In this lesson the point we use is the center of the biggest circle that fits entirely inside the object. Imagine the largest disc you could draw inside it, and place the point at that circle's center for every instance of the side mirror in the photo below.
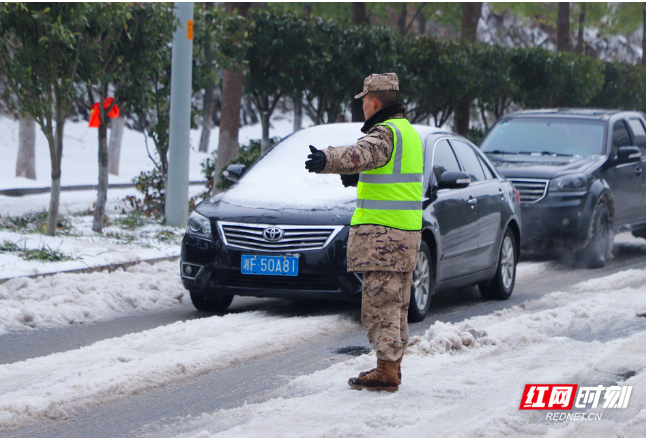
(628, 155)
(234, 172)
(454, 180)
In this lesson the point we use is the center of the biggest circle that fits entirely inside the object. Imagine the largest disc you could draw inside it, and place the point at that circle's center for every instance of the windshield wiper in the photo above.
(500, 152)
(545, 153)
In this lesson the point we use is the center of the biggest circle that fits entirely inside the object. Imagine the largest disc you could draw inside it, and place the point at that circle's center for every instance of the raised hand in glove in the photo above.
(316, 160)
(349, 179)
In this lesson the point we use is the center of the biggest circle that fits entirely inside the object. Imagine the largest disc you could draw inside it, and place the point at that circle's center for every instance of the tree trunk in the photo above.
(422, 24)
(116, 135)
(298, 112)
(102, 196)
(579, 40)
(358, 10)
(208, 102)
(229, 122)
(26, 162)
(55, 141)
(403, 15)
(264, 122)
(644, 37)
(230, 112)
(471, 12)
(563, 28)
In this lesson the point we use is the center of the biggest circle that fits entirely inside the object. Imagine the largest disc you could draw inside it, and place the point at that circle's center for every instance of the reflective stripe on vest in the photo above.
(392, 195)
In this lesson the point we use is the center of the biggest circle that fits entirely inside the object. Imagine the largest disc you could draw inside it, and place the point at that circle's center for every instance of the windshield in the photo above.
(280, 179)
(545, 136)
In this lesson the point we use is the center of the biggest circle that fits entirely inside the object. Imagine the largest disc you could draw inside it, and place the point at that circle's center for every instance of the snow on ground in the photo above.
(79, 167)
(67, 299)
(80, 152)
(466, 379)
(59, 384)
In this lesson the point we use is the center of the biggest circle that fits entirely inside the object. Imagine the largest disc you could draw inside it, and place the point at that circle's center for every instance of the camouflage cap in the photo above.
(379, 81)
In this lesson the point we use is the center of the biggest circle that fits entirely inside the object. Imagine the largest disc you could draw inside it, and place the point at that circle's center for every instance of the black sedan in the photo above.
(281, 232)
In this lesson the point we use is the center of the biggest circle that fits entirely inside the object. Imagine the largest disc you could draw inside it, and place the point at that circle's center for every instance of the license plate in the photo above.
(281, 265)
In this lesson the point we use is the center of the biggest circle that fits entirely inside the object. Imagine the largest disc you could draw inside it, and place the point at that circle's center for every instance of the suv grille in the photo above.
(531, 191)
(292, 238)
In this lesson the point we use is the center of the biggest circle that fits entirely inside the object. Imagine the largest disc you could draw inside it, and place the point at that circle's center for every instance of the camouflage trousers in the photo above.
(384, 311)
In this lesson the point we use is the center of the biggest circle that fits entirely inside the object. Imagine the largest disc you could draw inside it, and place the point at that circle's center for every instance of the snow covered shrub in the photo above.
(153, 186)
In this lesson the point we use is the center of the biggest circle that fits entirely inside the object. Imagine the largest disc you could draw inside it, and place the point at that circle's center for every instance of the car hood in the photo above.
(541, 167)
(318, 200)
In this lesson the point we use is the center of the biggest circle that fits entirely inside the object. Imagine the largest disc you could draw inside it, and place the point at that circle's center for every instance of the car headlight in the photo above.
(573, 182)
(199, 226)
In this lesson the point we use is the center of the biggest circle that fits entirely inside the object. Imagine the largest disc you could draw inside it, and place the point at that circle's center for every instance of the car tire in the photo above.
(596, 253)
(216, 303)
(423, 283)
(502, 284)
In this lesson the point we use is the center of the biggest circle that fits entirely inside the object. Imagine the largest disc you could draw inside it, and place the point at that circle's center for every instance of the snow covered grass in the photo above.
(56, 385)
(466, 379)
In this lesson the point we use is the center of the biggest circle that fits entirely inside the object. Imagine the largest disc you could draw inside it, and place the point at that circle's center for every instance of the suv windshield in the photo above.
(545, 136)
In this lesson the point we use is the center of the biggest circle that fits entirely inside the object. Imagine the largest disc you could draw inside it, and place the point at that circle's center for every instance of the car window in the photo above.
(469, 159)
(620, 135)
(444, 159)
(488, 173)
(639, 132)
(545, 135)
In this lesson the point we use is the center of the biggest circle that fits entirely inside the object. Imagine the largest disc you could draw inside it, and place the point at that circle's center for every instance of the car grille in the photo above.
(301, 282)
(294, 238)
(531, 191)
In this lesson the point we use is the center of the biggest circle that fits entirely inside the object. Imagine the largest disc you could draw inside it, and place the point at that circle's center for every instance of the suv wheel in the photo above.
(502, 284)
(596, 253)
(422, 291)
(215, 303)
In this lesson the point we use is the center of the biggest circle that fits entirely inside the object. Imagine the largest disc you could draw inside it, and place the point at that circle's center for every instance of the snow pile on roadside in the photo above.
(60, 384)
(65, 299)
(590, 337)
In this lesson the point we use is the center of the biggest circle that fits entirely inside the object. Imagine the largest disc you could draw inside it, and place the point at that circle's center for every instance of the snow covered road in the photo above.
(473, 362)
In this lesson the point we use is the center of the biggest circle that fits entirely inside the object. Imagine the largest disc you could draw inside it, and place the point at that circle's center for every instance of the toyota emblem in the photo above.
(272, 234)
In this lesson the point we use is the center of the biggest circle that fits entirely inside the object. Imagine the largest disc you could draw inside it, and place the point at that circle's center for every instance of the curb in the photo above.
(107, 267)
(18, 192)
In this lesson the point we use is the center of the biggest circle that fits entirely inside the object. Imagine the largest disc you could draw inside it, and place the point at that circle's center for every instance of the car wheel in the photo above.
(502, 284)
(596, 253)
(422, 291)
(216, 303)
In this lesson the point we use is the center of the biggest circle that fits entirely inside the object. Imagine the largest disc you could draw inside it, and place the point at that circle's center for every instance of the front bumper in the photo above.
(563, 217)
(322, 274)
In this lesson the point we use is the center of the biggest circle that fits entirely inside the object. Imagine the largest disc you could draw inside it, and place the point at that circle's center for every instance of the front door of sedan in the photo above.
(490, 199)
(457, 218)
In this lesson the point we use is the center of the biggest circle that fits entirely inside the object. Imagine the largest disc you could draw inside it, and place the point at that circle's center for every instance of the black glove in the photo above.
(316, 160)
(349, 179)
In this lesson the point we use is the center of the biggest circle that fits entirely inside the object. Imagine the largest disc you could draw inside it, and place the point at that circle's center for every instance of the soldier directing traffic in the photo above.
(386, 166)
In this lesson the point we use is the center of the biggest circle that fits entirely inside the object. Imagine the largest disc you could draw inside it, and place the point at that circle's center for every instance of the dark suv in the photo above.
(579, 173)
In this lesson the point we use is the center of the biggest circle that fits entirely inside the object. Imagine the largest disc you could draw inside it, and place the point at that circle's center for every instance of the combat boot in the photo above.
(399, 370)
(382, 378)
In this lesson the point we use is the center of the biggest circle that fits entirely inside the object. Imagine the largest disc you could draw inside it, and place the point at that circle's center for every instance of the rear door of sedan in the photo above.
(490, 199)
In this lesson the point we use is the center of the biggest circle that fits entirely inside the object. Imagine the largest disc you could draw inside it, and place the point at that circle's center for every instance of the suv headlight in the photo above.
(573, 182)
(199, 226)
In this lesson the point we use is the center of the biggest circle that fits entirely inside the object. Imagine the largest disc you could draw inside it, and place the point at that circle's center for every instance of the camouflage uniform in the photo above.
(386, 256)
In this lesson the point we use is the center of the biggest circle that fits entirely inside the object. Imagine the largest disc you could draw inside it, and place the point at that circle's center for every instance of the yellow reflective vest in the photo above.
(391, 195)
